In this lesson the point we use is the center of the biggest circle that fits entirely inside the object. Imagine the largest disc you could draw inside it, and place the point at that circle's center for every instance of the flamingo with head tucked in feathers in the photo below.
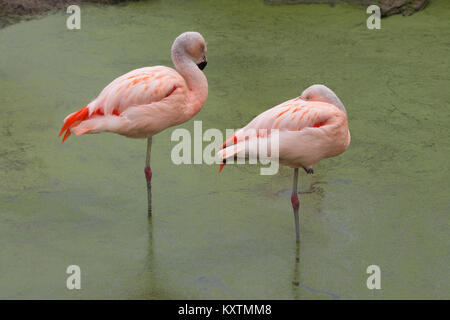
(145, 101)
(310, 127)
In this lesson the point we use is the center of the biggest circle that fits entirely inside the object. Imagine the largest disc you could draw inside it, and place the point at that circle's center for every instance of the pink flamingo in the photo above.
(311, 127)
(145, 101)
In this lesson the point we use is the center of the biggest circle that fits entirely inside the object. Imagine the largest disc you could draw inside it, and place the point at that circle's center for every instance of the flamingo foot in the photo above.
(308, 170)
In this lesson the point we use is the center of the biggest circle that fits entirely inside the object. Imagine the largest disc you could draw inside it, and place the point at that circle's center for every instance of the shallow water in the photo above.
(384, 201)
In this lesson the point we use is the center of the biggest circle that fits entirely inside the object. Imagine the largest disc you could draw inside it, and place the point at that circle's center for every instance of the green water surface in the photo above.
(385, 201)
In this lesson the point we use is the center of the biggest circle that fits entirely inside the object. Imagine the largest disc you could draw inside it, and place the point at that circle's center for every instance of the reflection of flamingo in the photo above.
(143, 102)
(311, 127)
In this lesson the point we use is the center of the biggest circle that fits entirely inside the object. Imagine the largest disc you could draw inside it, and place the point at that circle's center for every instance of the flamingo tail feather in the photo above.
(73, 120)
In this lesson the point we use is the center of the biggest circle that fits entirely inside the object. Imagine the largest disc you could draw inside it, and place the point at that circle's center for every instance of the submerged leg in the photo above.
(148, 175)
(295, 205)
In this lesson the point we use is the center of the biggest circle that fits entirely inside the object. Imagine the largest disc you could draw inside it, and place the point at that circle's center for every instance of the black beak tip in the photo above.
(202, 65)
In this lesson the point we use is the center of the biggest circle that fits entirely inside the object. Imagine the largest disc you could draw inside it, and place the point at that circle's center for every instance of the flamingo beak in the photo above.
(202, 64)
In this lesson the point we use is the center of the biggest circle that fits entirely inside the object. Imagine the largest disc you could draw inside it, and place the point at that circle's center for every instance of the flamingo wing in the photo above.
(302, 126)
(140, 87)
(292, 115)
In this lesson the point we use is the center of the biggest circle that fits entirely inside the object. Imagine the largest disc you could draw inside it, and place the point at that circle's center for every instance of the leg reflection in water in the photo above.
(296, 277)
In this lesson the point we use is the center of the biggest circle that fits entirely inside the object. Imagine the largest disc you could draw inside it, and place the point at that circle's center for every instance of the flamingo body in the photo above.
(145, 101)
(309, 131)
(310, 128)
(138, 104)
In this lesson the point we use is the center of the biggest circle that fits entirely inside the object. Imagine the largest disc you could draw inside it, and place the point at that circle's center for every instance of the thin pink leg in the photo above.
(148, 176)
(295, 205)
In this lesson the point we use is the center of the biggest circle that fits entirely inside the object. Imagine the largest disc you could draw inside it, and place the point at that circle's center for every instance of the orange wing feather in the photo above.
(71, 120)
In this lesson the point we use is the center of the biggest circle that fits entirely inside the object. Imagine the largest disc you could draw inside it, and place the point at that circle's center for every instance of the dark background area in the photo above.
(12, 11)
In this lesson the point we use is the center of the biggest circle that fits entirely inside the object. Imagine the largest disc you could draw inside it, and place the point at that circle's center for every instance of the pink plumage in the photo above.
(145, 101)
(310, 128)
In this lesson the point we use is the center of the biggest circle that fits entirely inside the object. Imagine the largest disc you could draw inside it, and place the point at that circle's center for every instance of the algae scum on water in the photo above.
(383, 202)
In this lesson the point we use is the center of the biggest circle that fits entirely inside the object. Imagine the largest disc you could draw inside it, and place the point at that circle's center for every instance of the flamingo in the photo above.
(145, 101)
(311, 127)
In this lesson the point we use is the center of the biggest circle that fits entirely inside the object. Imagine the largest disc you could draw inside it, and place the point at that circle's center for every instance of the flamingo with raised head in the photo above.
(145, 101)
(310, 127)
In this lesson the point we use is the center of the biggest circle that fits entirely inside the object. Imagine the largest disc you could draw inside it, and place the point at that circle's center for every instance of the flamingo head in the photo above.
(194, 45)
(319, 92)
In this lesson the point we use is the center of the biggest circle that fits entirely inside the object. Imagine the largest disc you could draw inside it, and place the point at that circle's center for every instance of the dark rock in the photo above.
(405, 7)
(12, 11)
(388, 7)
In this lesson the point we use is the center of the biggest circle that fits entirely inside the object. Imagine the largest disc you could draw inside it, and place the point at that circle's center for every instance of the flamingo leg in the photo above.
(148, 175)
(295, 205)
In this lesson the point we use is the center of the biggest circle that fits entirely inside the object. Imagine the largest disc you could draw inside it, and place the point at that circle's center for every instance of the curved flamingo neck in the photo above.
(195, 78)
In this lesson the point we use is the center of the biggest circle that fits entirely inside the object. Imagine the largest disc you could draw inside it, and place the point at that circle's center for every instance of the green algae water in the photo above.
(385, 201)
